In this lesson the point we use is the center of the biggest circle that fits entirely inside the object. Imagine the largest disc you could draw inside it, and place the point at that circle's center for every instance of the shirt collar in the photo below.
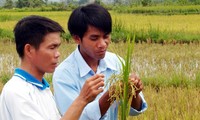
(84, 68)
(30, 79)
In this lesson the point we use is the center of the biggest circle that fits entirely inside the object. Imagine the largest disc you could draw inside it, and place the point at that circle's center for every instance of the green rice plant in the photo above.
(122, 89)
(197, 80)
(156, 82)
(6, 35)
(119, 33)
(48, 77)
(66, 36)
(4, 18)
(160, 10)
(179, 80)
(4, 77)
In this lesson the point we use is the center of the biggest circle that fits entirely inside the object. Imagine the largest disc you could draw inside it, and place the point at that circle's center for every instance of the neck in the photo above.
(31, 70)
(93, 65)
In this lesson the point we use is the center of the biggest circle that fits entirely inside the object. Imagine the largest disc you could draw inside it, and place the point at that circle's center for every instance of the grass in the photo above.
(170, 72)
(160, 10)
(160, 66)
(154, 28)
(156, 64)
(171, 103)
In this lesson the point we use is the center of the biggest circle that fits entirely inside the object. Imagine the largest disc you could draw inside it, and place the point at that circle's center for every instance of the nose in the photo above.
(57, 54)
(102, 43)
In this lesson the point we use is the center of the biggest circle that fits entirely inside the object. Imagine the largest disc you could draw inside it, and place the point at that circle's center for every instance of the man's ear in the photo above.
(77, 39)
(28, 50)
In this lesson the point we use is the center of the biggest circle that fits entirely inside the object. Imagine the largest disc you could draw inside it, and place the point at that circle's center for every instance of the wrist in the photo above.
(81, 101)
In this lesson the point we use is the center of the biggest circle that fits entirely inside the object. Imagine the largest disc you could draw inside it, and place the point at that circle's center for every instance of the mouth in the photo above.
(101, 52)
(55, 64)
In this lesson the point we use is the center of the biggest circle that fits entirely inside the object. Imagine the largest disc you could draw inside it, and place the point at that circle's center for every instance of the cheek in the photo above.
(89, 49)
(43, 58)
(107, 41)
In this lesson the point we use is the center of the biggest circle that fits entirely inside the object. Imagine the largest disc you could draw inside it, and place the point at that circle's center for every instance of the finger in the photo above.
(99, 75)
(94, 80)
(99, 90)
(133, 75)
(95, 77)
(135, 81)
(94, 92)
(99, 83)
(139, 86)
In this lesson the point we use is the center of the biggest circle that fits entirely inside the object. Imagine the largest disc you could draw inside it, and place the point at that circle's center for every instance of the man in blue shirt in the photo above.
(90, 27)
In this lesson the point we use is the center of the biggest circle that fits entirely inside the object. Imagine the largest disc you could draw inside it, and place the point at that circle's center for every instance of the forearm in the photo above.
(104, 103)
(75, 110)
(136, 102)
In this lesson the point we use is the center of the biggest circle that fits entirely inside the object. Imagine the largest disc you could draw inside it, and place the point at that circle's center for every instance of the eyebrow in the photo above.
(55, 44)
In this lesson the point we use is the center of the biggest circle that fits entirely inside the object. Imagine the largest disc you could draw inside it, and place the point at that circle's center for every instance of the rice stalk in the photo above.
(122, 89)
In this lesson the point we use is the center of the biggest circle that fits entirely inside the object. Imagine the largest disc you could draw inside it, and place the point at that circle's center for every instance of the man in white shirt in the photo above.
(27, 96)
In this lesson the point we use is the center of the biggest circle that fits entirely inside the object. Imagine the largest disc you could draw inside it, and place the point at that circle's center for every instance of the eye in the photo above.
(53, 47)
(93, 38)
(106, 36)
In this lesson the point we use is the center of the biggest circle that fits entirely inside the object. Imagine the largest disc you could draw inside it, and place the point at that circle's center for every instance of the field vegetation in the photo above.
(166, 56)
(153, 28)
(160, 10)
(170, 73)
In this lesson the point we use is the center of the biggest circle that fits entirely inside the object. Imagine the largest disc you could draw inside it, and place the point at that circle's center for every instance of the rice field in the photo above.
(9, 19)
(170, 72)
(175, 23)
(156, 64)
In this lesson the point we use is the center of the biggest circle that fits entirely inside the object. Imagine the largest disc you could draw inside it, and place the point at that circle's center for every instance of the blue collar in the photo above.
(30, 79)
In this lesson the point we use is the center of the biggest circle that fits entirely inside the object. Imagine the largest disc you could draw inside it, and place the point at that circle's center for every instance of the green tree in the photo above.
(195, 2)
(182, 2)
(98, 1)
(117, 1)
(146, 2)
(8, 4)
(29, 3)
(83, 1)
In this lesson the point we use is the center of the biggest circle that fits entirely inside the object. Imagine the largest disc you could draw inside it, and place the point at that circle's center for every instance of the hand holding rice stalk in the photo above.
(122, 87)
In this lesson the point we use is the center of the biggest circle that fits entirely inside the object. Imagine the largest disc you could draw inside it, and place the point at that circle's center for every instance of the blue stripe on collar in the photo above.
(30, 79)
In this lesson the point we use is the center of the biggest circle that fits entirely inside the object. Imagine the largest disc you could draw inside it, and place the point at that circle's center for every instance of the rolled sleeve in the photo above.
(134, 112)
(91, 111)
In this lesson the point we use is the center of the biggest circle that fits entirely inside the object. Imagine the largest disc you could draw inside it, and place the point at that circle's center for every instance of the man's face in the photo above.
(45, 58)
(94, 44)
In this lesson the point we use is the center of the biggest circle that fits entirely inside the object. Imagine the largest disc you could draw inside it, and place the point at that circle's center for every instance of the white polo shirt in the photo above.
(25, 98)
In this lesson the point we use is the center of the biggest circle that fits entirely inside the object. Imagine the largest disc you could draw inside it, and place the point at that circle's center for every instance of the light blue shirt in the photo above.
(70, 76)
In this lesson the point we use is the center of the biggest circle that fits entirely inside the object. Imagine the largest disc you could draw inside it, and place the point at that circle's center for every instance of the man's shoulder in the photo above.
(66, 67)
(16, 86)
(66, 63)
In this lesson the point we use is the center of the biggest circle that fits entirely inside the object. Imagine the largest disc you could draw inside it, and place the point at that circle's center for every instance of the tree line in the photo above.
(39, 3)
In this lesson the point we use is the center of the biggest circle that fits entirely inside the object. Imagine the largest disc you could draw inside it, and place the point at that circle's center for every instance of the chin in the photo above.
(50, 71)
(101, 57)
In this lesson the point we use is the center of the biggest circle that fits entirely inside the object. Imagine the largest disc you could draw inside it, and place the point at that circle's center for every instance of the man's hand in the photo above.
(92, 87)
(136, 101)
(137, 82)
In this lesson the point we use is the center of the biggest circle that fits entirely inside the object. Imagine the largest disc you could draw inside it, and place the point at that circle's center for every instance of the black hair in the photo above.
(31, 30)
(91, 14)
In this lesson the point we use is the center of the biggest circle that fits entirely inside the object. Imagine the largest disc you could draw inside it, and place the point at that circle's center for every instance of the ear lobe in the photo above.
(76, 39)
